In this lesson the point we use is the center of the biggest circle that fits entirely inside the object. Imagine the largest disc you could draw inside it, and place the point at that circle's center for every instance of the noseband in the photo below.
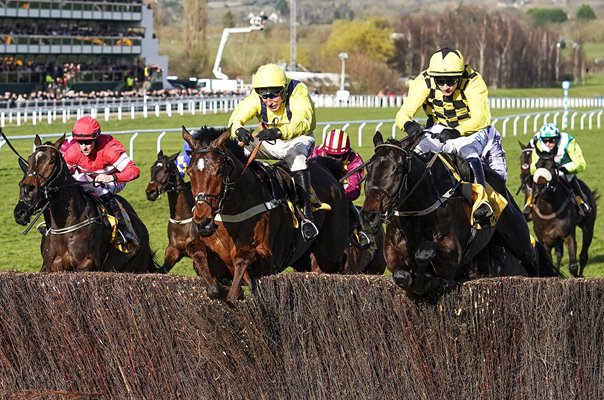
(226, 167)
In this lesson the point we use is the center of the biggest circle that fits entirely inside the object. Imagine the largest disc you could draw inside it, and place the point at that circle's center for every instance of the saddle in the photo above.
(473, 193)
(281, 183)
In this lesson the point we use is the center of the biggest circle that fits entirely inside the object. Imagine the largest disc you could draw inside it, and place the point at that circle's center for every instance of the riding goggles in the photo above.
(549, 140)
(270, 93)
(445, 81)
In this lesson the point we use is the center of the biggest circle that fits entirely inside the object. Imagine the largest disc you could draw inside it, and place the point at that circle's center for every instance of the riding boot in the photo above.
(484, 211)
(124, 234)
(579, 195)
(302, 180)
(354, 227)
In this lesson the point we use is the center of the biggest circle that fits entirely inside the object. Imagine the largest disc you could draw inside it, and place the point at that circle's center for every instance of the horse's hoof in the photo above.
(402, 278)
(574, 271)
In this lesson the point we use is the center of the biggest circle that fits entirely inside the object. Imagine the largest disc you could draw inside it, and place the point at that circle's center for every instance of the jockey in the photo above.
(455, 98)
(569, 157)
(286, 116)
(337, 146)
(100, 164)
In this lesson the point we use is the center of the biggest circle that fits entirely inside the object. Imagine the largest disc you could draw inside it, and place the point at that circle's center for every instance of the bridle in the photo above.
(395, 199)
(45, 184)
(170, 184)
(226, 168)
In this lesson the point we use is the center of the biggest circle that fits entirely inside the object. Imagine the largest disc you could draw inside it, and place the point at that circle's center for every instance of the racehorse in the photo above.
(555, 214)
(526, 179)
(429, 237)
(165, 178)
(246, 216)
(369, 260)
(77, 235)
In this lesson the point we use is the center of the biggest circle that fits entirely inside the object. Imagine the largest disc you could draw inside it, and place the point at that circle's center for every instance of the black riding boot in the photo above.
(302, 180)
(579, 195)
(124, 235)
(355, 225)
(484, 211)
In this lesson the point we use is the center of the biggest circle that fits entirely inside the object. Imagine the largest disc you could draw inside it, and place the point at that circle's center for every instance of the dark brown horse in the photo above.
(429, 238)
(555, 214)
(165, 178)
(249, 221)
(77, 236)
(365, 260)
(526, 179)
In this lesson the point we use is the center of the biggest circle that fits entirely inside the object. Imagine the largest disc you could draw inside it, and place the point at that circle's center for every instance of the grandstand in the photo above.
(79, 46)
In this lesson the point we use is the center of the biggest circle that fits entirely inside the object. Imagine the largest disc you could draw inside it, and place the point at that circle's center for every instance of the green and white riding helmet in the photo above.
(549, 131)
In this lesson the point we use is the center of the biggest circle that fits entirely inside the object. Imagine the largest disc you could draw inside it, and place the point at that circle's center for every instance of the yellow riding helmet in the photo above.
(446, 62)
(269, 75)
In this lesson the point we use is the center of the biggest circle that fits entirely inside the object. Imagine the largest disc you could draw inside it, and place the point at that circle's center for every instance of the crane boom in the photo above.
(225, 36)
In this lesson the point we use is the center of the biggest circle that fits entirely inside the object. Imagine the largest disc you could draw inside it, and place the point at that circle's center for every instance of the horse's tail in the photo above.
(154, 267)
(546, 267)
(330, 164)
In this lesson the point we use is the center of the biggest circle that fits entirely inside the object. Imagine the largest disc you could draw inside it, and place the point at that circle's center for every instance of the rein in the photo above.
(396, 198)
(48, 190)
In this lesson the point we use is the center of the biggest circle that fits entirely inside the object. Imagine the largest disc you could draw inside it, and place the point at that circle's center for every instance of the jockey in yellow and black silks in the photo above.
(455, 99)
(286, 114)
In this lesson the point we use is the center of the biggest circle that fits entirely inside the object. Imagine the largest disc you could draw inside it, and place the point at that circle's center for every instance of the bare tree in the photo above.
(195, 14)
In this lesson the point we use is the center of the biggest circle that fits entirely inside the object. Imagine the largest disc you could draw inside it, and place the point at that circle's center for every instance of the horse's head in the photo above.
(164, 176)
(44, 167)
(211, 173)
(546, 173)
(385, 173)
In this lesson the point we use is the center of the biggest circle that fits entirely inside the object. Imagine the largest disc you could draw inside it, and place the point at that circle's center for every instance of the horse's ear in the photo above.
(189, 138)
(37, 140)
(173, 157)
(224, 136)
(23, 165)
(57, 145)
(160, 154)
(378, 138)
(522, 146)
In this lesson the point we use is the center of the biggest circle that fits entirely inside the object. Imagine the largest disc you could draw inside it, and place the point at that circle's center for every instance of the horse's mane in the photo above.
(332, 165)
(206, 134)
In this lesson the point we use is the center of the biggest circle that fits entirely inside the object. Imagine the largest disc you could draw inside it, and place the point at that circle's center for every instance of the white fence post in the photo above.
(132, 146)
(159, 138)
(360, 136)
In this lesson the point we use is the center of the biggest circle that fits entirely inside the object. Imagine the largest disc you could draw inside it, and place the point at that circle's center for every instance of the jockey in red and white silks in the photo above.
(109, 158)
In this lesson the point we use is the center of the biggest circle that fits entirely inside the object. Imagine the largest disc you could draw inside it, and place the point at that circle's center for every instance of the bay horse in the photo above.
(249, 221)
(556, 216)
(77, 236)
(165, 178)
(430, 241)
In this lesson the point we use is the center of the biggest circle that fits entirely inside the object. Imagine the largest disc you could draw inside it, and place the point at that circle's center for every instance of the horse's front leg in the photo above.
(243, 260)
(197, 250)
(571, 244)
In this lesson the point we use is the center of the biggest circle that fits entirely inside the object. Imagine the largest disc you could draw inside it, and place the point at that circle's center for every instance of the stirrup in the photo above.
(309, 230)
(364, 240)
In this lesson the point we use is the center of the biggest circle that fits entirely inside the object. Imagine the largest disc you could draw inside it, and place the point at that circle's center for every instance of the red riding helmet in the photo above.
(86, 128)
(337, 142)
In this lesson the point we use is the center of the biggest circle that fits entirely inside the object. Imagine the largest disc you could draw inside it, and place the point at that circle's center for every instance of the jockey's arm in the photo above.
(478, 103)
(302, 109)
(117, 157)
(418, 92)
(577, 163)
(353, 190)
(246, 110)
